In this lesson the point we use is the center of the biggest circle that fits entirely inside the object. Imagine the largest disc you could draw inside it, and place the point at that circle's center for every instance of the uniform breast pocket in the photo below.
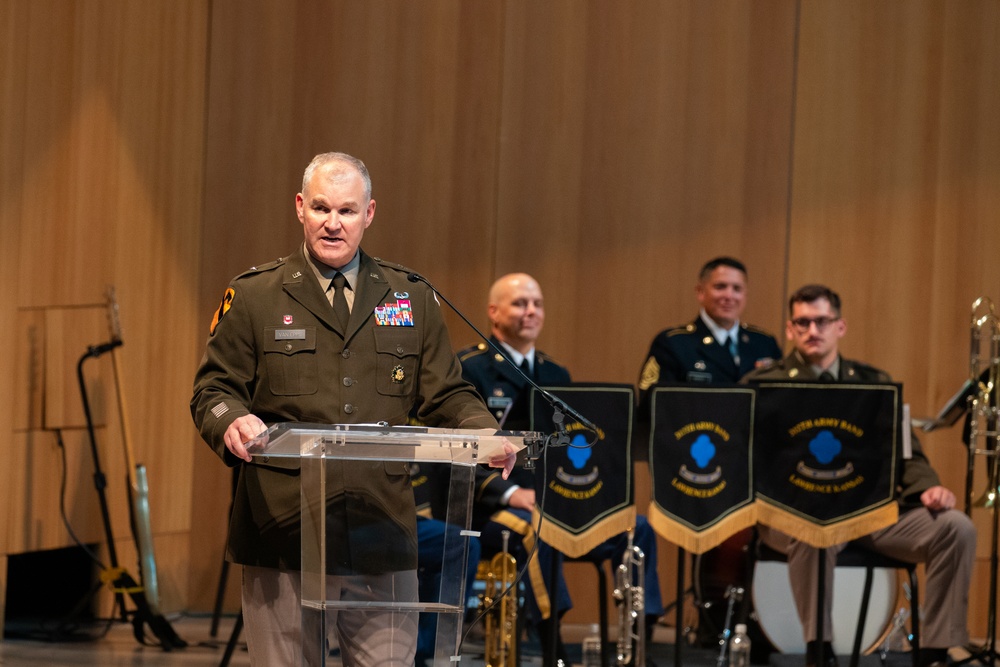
(290, 360)
(397, 351)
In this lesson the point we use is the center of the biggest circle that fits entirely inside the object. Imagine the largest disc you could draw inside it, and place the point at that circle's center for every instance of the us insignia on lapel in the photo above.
(396, 314)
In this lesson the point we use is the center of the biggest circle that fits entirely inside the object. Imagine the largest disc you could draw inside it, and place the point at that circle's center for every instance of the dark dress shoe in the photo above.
(933, 657)
(820, 658)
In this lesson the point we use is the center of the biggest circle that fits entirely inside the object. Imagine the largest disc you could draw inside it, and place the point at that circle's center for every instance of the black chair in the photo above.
(855, 555)
(607, 656)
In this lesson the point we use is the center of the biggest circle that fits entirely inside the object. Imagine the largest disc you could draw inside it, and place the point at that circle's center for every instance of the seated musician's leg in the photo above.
(946, 542)
(538, 604)
(803, 568)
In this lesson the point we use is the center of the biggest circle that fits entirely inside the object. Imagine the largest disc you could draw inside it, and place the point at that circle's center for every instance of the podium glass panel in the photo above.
(358, 552)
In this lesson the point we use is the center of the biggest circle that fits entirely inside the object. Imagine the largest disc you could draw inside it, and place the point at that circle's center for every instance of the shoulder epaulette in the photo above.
(473, 351)
(263, 267)
(755, 329)
(392, 265)
(682, 329)
(868, 367)
(544, 356)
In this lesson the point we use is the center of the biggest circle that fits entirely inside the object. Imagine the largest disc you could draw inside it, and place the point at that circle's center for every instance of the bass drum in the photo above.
(772, 598)
(713, 573)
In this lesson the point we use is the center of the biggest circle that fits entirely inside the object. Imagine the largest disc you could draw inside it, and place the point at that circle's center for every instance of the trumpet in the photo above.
(983, 408)
(500, 606)
(631, 598)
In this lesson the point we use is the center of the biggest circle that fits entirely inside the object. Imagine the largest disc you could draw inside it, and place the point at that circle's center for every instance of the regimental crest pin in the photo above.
(397, 374)
(287, 319)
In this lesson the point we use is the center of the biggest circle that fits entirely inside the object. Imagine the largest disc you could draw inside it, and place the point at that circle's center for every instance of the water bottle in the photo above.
(592, 647)
(739, 647)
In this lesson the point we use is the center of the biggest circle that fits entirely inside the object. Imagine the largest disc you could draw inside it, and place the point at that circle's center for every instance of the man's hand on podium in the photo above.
(241, 431)
(505, 460)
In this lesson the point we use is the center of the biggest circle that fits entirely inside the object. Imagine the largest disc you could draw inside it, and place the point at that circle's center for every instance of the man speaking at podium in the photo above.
(929, 529)
(332, 336)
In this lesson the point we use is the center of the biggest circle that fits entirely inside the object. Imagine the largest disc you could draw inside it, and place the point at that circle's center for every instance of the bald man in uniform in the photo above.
(516, 311)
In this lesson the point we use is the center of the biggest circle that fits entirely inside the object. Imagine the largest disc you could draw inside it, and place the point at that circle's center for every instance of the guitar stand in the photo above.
(120, 580)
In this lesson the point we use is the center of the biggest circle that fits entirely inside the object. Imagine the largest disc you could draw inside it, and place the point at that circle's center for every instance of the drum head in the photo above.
(772, 596)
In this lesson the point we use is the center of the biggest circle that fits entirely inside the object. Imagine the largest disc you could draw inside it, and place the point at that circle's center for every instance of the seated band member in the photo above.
(517, 314)
(929, 529)
(716, 347)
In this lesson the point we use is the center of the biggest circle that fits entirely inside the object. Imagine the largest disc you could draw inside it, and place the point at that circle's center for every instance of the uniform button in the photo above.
(348, 382)
(399, 349)
(348, 408)
(346, 353)
(265, 459)
(288, 347)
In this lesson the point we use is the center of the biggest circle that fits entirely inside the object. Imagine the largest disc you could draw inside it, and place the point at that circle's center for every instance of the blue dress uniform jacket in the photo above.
(690, 354)
(277, 351)
(500, 385)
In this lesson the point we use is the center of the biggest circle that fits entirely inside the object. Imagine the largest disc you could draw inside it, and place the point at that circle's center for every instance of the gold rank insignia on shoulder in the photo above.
(398, 375)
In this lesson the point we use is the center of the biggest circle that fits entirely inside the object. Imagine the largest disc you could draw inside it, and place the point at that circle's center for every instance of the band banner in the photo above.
(700, 447)
(587, 490)
(827, 457)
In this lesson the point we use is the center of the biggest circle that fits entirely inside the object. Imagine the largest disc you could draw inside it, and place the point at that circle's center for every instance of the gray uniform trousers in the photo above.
(944, 541)
(272, 615)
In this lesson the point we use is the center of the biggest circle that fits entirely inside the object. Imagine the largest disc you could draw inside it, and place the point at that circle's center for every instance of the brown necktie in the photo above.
(826, 376)
(340, 308)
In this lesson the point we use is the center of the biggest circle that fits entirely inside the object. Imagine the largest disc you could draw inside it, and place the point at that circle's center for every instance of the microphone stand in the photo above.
(100, 481)
(118, 577)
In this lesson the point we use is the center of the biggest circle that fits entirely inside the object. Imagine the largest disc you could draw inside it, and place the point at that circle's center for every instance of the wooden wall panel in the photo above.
(102, 135)
(635, 146)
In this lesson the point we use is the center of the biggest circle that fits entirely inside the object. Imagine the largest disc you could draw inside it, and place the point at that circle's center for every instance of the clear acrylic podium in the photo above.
(318, 448)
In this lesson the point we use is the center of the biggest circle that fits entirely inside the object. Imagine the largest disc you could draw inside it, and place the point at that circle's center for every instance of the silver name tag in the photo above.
(289, 334)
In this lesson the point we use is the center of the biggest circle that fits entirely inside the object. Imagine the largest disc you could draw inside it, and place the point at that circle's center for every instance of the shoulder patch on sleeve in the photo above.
(650, 374)
(227, 302)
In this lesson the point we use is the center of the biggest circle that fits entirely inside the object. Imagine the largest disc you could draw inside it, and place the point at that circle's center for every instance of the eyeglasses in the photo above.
(801, 324)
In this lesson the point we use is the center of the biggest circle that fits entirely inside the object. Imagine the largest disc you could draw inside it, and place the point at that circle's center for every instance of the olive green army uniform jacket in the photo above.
(917, 474)
(277, 350)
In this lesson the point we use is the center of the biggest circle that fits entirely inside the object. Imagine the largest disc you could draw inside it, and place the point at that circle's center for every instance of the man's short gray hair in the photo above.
(325, 158)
